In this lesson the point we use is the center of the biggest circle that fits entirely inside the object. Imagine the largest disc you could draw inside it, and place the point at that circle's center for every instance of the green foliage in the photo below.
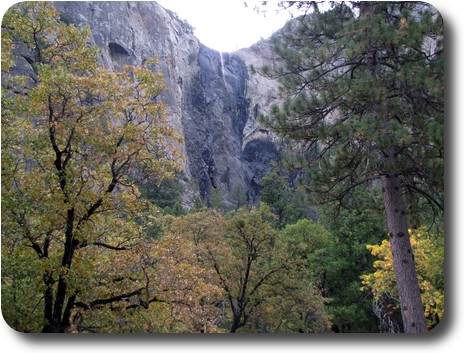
(21, 279)
(274, 293)
(176, 210)
(197, 205)
(216, 201)
(306, 239)
(348, 259)
(335, 255)
(165, 194)
(239, 197)
(343, 75)
(288, 203)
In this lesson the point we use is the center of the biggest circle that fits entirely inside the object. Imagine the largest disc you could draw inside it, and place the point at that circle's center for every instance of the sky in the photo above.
(228, 25)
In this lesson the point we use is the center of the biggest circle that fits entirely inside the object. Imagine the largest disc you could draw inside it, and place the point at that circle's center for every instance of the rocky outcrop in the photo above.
(213, 101)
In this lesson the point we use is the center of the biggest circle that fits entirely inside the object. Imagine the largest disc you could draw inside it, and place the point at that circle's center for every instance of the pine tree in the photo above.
(363, 87)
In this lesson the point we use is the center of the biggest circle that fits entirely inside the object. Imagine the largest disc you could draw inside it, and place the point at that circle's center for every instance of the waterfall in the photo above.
(222, 63)
(222, 68)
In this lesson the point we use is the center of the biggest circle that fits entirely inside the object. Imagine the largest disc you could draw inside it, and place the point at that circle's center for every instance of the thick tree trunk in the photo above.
(412, 309)
(56, 320)
(235, 324)
(237, 311)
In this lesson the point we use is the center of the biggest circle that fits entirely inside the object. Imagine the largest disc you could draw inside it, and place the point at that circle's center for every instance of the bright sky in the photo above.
(227, 25)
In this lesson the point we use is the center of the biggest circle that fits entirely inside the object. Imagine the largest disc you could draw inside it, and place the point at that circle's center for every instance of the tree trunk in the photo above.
(237, 311)
(412, 309)
(235, 324)
(56, 320)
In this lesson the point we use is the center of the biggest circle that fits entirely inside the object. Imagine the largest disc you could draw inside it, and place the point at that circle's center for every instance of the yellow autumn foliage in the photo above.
(429, 258)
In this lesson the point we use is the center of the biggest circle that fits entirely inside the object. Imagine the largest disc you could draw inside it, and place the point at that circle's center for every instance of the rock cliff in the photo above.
(212, 99)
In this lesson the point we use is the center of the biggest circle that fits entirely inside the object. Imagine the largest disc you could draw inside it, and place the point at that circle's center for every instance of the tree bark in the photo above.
(412, 309)
(235, 324)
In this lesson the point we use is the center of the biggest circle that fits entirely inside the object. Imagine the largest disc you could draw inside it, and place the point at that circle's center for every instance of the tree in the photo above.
(216, 201)
(184, 280)
(429, 258)
(165, 194)
(73, 135)
(364, 87)
(307, 246)
(307, 240)
(239, 198)
(292, 304)
(244, 265)
(347, 258)
(287, 202)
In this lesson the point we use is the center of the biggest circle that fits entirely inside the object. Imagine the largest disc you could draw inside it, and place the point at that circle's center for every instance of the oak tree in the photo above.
(73, 135)
(185, 280)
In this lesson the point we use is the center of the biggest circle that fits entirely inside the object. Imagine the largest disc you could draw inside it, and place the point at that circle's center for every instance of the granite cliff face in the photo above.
(212, 99)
